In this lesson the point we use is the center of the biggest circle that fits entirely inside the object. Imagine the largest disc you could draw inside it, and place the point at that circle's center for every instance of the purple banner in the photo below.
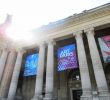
(67, 57)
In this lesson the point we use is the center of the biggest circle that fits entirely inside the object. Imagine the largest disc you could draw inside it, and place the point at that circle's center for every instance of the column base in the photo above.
(34, 99)
(48, 97)
(10, 99)
(86, 97)
(37, 99)
(95, 95)
(40, 97)
(95, 98)
(104, 96)
(3, 99)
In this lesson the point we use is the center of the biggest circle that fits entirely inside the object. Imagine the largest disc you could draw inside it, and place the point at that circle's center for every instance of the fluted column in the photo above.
(5, 83)
(15, 76)
(3, 59)
(40, 73)
(97, 66)
(49, 72)
(84, 72)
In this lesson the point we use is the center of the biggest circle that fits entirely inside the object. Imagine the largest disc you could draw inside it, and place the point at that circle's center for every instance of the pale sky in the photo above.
(28, 14)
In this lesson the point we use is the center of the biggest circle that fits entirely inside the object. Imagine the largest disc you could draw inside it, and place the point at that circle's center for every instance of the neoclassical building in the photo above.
(89, 31)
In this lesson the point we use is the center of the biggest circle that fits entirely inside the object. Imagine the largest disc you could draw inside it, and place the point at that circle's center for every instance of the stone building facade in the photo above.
(91, 81)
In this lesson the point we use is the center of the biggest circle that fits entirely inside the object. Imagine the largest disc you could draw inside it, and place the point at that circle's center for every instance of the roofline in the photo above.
(74, 16)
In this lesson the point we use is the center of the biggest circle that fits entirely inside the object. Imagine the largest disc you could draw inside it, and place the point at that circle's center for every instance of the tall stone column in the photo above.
(40, 73)
(0, 52)
(15, 76)
(5, 83)
(49, 72)
(83, 66)
(3, 59)
(97, 66)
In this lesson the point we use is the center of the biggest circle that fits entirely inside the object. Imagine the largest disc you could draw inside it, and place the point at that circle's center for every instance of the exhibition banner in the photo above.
(104, 43)
(67, 58)
(31, 65)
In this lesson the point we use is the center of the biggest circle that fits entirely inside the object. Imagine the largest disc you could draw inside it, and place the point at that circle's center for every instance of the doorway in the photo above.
(76, 94)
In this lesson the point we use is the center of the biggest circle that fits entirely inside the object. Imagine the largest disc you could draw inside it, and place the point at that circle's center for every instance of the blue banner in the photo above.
(31, 65)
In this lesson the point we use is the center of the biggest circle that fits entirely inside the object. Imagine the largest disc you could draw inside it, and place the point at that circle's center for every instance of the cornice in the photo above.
(74, 29)
(76, 19)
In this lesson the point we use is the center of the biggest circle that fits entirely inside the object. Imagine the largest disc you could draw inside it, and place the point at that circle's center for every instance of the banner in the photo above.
(104, 43)
(31, 65)
(67, 57)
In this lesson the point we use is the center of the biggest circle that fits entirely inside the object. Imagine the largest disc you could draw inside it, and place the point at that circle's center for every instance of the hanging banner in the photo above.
(67, 57)
(31, 65)
(104, 43)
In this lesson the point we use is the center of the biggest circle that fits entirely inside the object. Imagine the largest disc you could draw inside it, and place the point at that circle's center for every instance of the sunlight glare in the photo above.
(16, 34)
(31, 14)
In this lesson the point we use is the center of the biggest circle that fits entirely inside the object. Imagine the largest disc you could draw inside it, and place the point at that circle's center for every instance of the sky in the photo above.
(29, 14)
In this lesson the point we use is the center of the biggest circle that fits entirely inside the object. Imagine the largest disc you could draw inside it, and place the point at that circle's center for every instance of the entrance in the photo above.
(74, 84)
(76, 94)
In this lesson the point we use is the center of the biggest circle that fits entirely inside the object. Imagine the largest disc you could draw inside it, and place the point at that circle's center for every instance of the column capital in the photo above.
(4, 49)
(51, 41)
(77, 33)
(89, 30)
(7, 48)
(10, 46)
(4, 46)
(20, 50)
(12, 49)
(43, 43)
